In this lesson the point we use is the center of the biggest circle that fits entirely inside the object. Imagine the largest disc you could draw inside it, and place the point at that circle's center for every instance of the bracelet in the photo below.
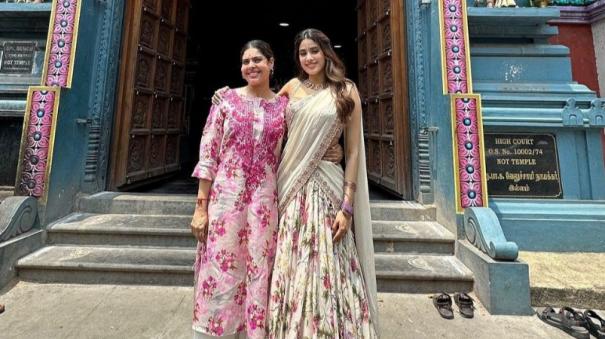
(350, 185)
(201, 201)
(347, 208)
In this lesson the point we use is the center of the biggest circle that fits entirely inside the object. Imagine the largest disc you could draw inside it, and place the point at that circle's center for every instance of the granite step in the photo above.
(153, 266)
(412, 237)
(173, 231)
(169, 231)
(6, 191)
(108, 265)
(183, 204)
(405, 273)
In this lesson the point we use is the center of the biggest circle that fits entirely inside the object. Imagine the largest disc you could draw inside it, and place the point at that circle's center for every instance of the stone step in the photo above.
(173, 231)
(6, 191)
(413, 237)
(404, 273)
(175, 204)
(167, 231)
(109, 265)
(401, 211)
(153, 266)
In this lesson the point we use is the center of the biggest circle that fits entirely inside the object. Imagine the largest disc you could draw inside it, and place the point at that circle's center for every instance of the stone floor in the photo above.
(111, 311)
(566, 279)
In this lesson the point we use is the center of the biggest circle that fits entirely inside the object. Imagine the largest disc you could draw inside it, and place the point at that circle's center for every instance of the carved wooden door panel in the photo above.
(384, 93)
(149, 113)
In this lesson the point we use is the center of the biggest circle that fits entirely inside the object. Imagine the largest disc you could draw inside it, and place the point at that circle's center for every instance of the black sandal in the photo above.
(597, 329)
(465, 304)
(568, 320)
(443, 303)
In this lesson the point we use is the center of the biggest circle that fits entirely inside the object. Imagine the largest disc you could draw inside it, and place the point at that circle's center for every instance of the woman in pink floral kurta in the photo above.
(239, 157)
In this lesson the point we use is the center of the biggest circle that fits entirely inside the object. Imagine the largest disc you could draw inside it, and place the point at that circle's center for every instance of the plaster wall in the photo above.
(598, 37)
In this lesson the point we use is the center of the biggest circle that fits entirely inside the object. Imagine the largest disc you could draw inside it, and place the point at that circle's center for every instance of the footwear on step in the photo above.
(568, 320)
(443, 303)
(465, 304)
(596, 328)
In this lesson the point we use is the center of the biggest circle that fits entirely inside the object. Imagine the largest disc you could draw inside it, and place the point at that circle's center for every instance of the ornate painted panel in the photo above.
(63, 28)
(37, 141)
(455, 47)
(467, 131)
(467, 126)
(382, 82)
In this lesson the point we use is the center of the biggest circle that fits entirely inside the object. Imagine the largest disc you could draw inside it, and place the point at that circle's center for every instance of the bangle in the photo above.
(347, 208)
(201, 201)
(350, 185)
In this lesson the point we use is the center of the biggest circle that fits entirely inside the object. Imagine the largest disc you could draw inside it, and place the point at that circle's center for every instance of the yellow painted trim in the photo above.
(455, 162)
(477, 98)
(74, 43)
(443, 54)
(49, 40)
(467, 49)
(51, 142)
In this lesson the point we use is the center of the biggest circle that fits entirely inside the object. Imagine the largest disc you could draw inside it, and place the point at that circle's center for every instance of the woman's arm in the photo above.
(352, 143)
(199, 223)
(206, 168)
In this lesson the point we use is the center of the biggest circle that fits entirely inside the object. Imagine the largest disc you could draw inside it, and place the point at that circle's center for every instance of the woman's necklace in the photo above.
(316, 87)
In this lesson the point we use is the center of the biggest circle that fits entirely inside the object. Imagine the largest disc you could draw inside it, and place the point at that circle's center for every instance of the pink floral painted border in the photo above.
(61, 43)
(469, 145)
(37, 141)
(454, 33)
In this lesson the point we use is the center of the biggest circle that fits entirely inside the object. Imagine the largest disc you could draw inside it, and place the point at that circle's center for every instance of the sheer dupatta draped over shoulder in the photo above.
(313, 124)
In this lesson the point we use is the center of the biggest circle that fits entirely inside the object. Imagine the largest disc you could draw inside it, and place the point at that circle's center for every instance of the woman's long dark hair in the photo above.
(334, 70)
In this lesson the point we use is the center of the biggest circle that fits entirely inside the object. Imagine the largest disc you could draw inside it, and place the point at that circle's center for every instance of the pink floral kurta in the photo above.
(239, 153)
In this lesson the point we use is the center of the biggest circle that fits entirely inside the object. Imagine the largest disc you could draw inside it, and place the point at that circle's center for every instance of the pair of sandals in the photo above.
(577, 324)
(443, 303)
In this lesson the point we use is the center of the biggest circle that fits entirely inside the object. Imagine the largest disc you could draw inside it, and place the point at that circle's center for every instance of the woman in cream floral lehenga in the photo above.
(323, 281)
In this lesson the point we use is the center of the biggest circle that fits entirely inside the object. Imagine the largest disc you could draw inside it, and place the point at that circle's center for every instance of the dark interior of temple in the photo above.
(218, 30)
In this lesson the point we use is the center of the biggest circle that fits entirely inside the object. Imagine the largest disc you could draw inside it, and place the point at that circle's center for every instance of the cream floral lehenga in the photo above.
(320, 288)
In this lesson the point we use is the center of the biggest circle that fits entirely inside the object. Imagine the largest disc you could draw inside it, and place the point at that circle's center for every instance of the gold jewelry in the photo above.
(316, 87)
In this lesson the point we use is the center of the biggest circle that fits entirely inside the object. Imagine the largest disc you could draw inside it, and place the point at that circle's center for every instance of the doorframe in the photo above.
(404, 163)
(126, 75)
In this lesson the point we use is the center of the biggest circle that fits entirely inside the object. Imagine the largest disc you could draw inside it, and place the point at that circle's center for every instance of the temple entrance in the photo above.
(164, 93)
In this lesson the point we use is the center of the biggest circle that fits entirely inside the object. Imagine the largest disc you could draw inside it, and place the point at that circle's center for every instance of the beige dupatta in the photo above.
(312, 126)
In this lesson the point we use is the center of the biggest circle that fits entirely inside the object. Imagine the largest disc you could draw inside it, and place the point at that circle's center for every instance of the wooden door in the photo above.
(149, 113)
(383, 86)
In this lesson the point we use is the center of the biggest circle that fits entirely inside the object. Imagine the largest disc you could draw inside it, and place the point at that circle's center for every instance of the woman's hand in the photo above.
(199, 224)
(341, 225)
(334, 154)
(217, 98)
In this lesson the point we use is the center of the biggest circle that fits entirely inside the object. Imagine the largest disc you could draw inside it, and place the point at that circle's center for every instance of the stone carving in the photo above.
(596, 115)
(18, 215)
(482, 229)
(572, 114)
